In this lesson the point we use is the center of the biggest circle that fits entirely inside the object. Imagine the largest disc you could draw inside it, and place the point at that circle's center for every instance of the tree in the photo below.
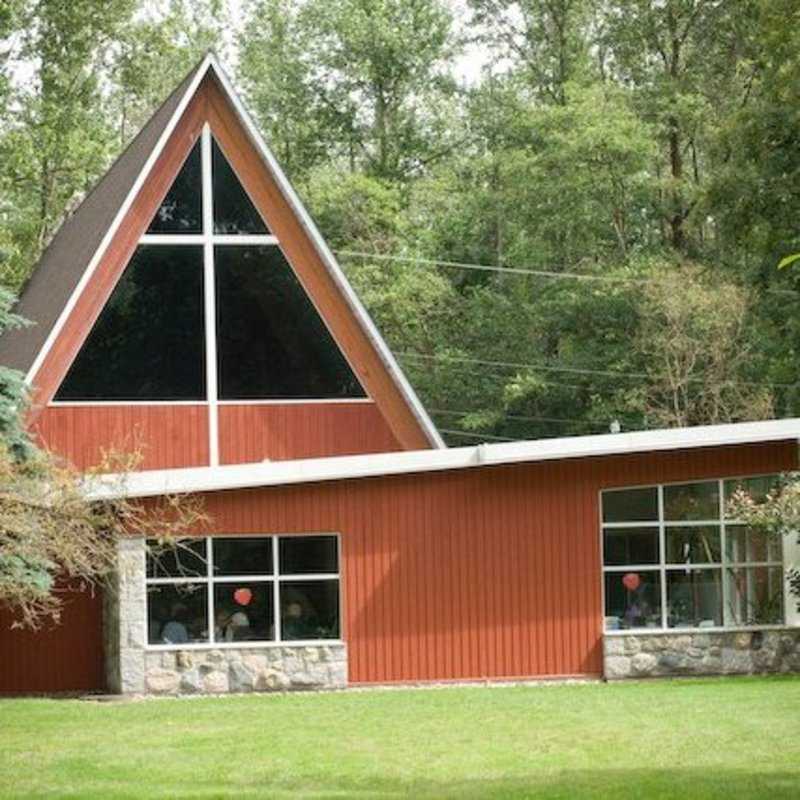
(683, 57)
(701, 362)
(277, 74)
(547, 39)
(151, 50)
(50, 534)
(57, 139)
(774, 514)
(379, 69)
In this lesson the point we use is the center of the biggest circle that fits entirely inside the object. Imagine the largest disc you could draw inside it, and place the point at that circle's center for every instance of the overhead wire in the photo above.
(573, 370)
(510, 270)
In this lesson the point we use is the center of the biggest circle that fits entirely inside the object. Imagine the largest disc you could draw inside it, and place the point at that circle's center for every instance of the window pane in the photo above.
(244, 612)
(630, 546)
(757, 488)
(633, 600)
(689, 545)
(310, 610)
(234, 212)
(631, 505)
(177, 613)
(181, 211)
(184, 559)
(149, 341)
(694, 598)
(692, 501)
(748, 544)
(271, 341)
(755, 596)
(308, 554)
(246, 555)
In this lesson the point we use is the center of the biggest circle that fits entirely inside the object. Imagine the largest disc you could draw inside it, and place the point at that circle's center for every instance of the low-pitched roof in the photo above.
(278, 473)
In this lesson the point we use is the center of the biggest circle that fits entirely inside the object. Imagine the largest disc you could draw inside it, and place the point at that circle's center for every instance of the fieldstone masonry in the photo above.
(132, 668)
(643, 655)
(249, 669)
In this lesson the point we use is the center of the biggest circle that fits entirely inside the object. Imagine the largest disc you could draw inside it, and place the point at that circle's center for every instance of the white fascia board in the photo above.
(263, 474)
(55, 331)
(329, 260)
(277, 473)
(644, 441)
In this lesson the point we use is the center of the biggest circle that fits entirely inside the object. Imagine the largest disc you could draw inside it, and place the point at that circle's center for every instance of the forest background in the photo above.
(560, 213)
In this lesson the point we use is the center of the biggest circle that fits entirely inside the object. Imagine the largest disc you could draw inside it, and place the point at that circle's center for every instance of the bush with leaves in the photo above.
(777, 515)
(51, 534)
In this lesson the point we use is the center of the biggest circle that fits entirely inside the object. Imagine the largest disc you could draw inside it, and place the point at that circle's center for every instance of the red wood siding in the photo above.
(63, 658)
(168, 435)
(477, 573)
(250, 433)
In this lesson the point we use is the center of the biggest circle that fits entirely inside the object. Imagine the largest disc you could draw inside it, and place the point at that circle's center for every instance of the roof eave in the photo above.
(265, 474)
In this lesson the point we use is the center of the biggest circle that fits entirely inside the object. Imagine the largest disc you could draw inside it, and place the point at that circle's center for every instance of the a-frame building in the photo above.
(190, 308)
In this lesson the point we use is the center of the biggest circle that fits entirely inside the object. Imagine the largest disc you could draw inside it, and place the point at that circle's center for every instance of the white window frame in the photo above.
(662, 567)
(276, 579)
(209, 240)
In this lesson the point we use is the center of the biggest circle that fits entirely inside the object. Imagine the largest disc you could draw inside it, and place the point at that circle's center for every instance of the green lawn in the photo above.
(727, 738)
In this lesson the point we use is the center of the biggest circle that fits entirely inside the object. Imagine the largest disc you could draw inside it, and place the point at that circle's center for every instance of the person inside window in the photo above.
(230, 625)
(298, 624)
(175, 631)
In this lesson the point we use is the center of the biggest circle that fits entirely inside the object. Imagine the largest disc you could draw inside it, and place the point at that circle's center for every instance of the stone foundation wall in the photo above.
(132, 668)
(643, 655)
(249, 669)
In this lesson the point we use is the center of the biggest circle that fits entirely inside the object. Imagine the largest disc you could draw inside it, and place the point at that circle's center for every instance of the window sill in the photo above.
(160, 648)
(692, 631)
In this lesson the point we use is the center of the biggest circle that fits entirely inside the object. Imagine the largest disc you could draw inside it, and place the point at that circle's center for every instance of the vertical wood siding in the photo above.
(67, 657)
(491, 572)
(167, 435)
(250, 433)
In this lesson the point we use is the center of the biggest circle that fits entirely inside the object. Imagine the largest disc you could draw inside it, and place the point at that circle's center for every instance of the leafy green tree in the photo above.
(548, 40)
(380, 68)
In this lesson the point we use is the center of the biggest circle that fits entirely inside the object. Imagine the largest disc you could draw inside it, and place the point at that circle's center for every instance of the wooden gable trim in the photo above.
(210, 104)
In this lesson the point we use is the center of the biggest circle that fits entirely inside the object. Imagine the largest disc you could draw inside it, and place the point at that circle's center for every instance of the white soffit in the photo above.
(278, 473)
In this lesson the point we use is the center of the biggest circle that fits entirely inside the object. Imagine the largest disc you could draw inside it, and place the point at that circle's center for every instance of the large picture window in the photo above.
(180, 303)
(223, 590)
(672, 559)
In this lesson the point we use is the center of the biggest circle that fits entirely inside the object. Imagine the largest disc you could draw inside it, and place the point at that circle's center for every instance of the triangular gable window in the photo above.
(181, 211)
(271, 342)
(234, 211)
(150, 341)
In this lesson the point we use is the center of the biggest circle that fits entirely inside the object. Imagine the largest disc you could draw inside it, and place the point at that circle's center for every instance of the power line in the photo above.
(487, 268)
(573, 370)
(580, 276)
(518, 417)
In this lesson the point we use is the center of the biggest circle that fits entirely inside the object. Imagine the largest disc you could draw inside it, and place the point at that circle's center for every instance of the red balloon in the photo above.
(243, 596)
(631, 581)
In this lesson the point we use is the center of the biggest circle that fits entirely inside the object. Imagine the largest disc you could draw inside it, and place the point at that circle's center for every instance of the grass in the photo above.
(728, 738)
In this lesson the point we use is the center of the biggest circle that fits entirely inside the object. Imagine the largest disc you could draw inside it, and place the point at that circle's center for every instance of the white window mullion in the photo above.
(212, 633)
(662, 557)
(727, 611)
(210, 300)
(276, 588)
